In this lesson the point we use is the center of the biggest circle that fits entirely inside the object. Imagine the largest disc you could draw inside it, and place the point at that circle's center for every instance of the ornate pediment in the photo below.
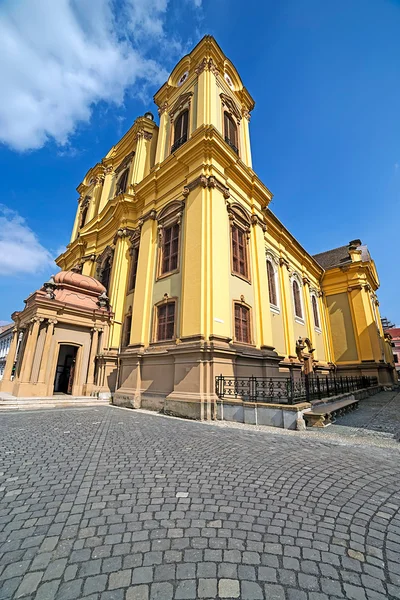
(231, 106)
(180, 103)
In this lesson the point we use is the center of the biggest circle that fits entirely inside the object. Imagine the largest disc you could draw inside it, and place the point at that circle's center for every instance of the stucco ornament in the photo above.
(49, 287)
(103, 301)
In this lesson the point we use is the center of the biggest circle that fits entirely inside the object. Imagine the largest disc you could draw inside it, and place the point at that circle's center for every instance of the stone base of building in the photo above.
(384, 372)
(180, 379)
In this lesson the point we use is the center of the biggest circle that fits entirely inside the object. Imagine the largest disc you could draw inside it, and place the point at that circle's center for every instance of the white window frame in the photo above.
(314, 294)
(296, 277)
(269, 257)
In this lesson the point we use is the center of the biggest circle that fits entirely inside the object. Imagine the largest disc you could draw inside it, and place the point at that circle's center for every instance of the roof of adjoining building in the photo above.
(4, 328)
(340, 256)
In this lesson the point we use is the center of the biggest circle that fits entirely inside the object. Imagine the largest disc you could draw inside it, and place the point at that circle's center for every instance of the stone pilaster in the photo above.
(46, 350)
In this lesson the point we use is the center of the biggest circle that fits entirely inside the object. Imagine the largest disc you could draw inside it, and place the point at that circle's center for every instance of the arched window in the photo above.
(315, 311)
(273, 297)
(231, 132)
(181, 130)
(84, 213)
(123, 182)
(106, 273)
(297, 301)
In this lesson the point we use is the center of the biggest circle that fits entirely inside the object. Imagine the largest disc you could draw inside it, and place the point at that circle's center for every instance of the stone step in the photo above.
(50, 402)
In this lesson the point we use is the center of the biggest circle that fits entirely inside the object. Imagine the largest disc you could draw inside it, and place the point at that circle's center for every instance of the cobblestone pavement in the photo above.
(112, 504)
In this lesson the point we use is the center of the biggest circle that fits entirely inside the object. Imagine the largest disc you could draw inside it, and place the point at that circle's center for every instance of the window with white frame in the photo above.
(297, 299)
(273, 284)
(315, 310)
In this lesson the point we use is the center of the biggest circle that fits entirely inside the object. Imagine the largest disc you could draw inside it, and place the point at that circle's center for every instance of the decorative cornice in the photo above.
(143, 135)
(206, 182)
(284, 262)
(162, 108)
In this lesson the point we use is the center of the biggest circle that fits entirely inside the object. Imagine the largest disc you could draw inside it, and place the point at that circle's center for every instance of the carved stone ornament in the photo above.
(183, 100)
(246, 114)
(185, 192)
(162, 108)
(231, 107)
(77, 268)
(142, 134)
(49, 287)
(207, 64)
(284, 262)
(99, 180)
(103, 301)
(306, 280)
(90, 257)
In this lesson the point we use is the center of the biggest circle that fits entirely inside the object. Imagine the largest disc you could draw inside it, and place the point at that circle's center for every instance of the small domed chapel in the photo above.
(177, 270)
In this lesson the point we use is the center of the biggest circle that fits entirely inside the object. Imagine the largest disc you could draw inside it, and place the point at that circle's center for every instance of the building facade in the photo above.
(6, 334)
(200, 276)
(394, 334)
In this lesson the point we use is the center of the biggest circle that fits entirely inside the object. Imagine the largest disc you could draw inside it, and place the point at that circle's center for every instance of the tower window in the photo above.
(84, 213)
(180, 130)
(273, 297)
(123, 182)
(315, 311)
(166, 321)
(239, 252)
(297, 301)
(231, 132)
(170, 249)
(242, 323)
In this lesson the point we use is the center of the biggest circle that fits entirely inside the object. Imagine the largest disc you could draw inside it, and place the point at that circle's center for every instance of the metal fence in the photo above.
(288, 390)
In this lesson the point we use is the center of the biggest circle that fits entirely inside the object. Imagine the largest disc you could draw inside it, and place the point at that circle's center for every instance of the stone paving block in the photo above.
(29, 584)
(101, 519)
(138, 592)
(186, 590)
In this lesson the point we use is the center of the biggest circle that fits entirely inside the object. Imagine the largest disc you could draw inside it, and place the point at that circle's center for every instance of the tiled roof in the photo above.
(4, 328)
(339, 256)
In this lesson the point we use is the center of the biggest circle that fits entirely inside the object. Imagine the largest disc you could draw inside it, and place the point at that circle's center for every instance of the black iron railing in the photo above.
(178, 143)
(288, 390)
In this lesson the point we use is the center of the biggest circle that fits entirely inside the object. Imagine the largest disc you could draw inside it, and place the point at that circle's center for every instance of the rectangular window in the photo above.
(170, 249)
(242, 324)
(134, 266)
(239, 252)
(166, 321)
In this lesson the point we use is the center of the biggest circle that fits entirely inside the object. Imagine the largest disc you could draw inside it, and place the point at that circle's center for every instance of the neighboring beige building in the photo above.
(6, 334)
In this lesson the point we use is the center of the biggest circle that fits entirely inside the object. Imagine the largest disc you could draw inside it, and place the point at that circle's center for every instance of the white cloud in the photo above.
(60, 57)
(20, 249)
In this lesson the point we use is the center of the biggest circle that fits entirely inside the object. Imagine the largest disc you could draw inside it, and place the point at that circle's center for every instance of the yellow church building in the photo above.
(178, 271)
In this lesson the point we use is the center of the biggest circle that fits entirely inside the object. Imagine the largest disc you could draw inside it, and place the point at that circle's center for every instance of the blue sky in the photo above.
(325, 131)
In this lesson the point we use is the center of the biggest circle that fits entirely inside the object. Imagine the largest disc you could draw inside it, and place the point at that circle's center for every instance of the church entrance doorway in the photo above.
(65, 370)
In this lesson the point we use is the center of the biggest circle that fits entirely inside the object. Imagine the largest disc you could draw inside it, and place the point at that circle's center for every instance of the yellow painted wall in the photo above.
(341, 324)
